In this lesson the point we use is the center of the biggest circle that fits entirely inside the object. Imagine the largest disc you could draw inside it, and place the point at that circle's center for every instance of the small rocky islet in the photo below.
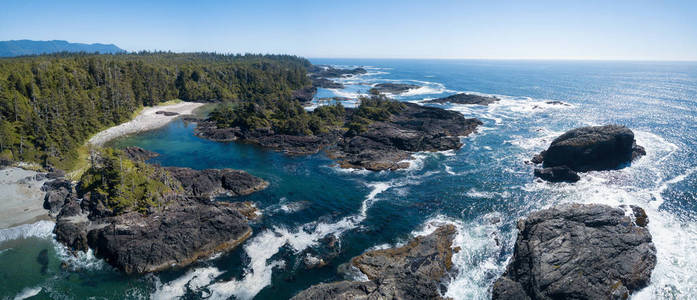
(591, 148)
(464, 98)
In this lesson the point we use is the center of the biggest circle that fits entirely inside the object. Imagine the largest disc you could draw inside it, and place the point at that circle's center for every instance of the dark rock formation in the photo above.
(577, 251)
(325, 83)
(416, 128)
(167, 113)
(414, 271)
(557, 174)
(305, 94)
(57, 193)
(463, 98)
(330, 72)
(180, 230)
(211, 182)
(382, 146)
(137, 153)
(185, 231)
(392, 88)
(591, 148)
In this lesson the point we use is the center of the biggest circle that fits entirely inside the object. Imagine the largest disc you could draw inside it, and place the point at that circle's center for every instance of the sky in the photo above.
(494, 29)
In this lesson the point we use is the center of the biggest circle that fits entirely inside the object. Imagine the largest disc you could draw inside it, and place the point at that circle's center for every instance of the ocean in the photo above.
(482, 188)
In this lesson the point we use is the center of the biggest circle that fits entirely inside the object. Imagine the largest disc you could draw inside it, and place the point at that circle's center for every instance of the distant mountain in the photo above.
(29, 47)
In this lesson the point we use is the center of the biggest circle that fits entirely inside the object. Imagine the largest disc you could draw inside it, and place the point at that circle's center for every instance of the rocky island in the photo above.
(142, 218)
(593, 148)
(392, 88)
(463, 98)
(577, 251)
(378, 135)
(413, 271)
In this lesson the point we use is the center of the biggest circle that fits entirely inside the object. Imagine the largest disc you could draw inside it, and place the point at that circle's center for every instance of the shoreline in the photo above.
(147, 119)
(21, 198)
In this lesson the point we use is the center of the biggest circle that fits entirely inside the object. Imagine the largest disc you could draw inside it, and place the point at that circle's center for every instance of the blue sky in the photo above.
(643, 30)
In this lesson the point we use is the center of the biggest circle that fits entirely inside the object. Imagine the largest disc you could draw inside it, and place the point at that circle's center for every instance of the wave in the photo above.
(193, 280)
(28, 293)
(41, 229)
(475, 264)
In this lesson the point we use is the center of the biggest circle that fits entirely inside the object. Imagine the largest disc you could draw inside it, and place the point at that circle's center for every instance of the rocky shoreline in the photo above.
(413, 271)
(382, 146)
(186, 227)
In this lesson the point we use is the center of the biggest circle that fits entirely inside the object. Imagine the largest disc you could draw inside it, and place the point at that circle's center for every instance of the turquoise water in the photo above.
(309, 199)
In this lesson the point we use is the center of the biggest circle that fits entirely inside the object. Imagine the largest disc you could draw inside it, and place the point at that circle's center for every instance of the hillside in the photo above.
(29, 47)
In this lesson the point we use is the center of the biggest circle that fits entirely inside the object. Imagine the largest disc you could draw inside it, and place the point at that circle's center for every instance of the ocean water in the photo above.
(482, 188)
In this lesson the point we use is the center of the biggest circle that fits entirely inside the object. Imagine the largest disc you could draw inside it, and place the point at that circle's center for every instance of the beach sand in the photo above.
(148, 119)
(21, 199)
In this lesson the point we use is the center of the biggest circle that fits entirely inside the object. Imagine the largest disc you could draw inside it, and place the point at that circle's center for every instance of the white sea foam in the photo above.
(265, 245)
(28, 293)
(193, 280)
(475, 263)
(80, 260)
(40, 229)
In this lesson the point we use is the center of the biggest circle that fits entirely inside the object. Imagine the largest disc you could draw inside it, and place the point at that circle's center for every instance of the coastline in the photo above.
(147, 119)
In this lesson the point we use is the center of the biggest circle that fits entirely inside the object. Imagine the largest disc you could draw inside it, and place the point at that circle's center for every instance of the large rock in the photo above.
(591, 148)
(463, 98)
(413, 271)
(57, 192)
(392, 88)
(384, 145)
(577, 251)
(212, 182)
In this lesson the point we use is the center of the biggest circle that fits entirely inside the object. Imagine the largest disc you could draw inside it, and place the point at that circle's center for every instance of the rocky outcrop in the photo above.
(413, 271)
(137, 153)
(384, 145)
(188, 229)
(590, 148)
(212, 182)
(167, 113)
(557, 174)
(577, 251)
(392, 88)
(463, 98)
(305, 94)
(180, 229)
(331, 72)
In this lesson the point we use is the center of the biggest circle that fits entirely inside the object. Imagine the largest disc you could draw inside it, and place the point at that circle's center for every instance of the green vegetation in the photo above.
(124, 185)
(289, 117)
(51, 104)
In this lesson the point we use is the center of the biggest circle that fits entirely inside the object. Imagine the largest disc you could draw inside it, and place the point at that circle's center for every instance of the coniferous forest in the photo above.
(51, 104)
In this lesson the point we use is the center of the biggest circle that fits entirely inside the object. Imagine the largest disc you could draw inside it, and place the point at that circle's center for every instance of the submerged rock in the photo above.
(463, 98)
(577, 251)
(392, 88)
(590, 148)
(413, 271)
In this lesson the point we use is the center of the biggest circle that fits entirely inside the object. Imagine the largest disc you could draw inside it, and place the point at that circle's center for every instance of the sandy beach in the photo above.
(148, 119)
(21, 199)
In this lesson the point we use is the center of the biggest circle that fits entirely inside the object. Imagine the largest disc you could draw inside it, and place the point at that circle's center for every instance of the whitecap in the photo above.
(28, 293)
(193, 280)
(41, 229)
